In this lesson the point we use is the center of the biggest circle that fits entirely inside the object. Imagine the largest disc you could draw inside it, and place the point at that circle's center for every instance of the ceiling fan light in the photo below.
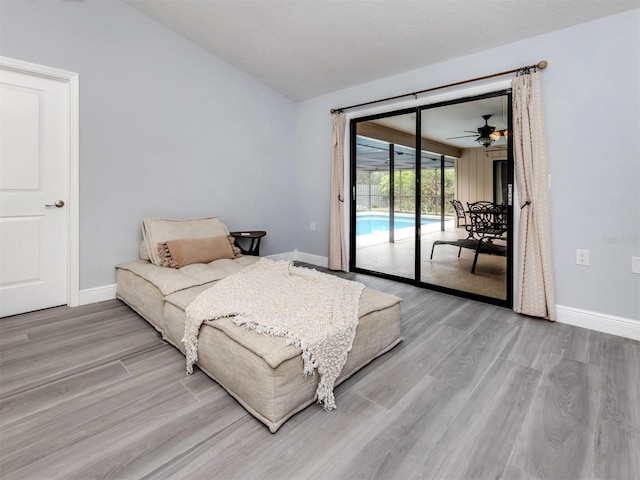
(494, 135)
(484, 141)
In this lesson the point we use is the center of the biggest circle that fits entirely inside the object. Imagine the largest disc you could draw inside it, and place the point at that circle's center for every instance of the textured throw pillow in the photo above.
(236, 250)
(186, 251)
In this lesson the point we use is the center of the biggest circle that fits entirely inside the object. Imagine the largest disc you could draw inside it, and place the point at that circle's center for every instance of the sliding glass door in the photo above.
(403, 221)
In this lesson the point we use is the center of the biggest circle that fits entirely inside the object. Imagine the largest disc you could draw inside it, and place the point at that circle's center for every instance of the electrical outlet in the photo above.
(313, 226)
(582, 257)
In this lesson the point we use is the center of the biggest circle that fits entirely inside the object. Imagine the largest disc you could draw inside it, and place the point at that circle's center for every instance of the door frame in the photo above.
(71, 80)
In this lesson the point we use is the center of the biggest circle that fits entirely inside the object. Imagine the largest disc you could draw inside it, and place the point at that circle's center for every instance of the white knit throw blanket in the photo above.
(314, 311)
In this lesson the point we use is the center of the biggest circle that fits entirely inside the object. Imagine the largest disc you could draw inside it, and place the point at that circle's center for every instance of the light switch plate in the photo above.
(635, 264)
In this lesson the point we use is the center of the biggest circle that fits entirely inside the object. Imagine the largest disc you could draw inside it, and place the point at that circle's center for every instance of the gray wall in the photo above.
(592, 104)
(166, 129)
(169, 130)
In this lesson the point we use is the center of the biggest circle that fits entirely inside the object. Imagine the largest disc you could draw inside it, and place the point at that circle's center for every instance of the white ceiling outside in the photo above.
(306, 48)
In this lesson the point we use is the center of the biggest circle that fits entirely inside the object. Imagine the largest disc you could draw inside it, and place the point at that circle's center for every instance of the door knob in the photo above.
(57, 203)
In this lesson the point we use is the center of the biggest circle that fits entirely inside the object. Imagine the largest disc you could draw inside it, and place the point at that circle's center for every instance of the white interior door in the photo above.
(34, 197)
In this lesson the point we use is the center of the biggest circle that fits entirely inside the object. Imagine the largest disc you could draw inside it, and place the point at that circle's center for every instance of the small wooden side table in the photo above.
(254, 235)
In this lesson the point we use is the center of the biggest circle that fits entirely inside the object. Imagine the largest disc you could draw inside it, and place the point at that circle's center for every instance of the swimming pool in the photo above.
(368, 223)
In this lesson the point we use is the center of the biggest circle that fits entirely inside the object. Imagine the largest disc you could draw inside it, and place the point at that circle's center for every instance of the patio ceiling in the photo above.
(373, 155)
(440, 124)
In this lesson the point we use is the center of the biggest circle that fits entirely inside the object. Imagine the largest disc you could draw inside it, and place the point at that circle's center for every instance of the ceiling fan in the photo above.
(486, 134)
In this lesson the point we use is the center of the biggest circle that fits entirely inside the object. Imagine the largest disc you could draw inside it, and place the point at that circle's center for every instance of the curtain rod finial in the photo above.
(542, 64)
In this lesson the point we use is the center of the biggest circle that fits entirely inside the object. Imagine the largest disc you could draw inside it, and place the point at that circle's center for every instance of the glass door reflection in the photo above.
(385, 198)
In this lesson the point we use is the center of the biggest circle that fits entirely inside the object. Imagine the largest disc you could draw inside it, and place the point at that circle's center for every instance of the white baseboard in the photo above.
(288, 256)
(98, 294)
(312, 259)
(600, 322)
(317, 260)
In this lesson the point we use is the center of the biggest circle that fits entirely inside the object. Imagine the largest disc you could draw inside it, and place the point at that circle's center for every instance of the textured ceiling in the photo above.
(306, 48)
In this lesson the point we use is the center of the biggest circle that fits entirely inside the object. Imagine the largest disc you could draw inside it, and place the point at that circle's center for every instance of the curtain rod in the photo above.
(540, 66)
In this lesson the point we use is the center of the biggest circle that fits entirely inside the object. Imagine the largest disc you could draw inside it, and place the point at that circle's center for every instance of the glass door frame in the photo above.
(508, 302)
(353, 131)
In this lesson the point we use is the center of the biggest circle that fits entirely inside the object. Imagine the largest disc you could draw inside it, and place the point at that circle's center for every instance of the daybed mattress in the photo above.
(262, 372)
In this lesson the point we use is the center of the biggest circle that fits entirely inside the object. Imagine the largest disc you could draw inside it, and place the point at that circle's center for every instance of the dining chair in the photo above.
(462, 217)
(488, 221)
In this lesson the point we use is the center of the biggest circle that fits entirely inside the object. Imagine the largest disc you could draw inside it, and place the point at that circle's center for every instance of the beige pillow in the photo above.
(186, 251)
(156, 230)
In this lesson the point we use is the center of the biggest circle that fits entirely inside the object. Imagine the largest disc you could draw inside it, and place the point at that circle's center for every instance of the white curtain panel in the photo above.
(535, 292)
(337, 245)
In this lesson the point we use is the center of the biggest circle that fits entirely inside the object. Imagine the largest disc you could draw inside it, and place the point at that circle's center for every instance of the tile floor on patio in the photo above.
(446, 269)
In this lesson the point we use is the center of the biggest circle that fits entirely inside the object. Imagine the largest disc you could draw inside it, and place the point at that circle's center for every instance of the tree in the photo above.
(405, 191)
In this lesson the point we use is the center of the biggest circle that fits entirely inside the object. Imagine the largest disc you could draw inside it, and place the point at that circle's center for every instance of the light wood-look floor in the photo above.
(473, 392)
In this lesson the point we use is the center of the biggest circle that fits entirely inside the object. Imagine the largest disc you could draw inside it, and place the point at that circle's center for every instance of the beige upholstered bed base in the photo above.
(261, 372)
